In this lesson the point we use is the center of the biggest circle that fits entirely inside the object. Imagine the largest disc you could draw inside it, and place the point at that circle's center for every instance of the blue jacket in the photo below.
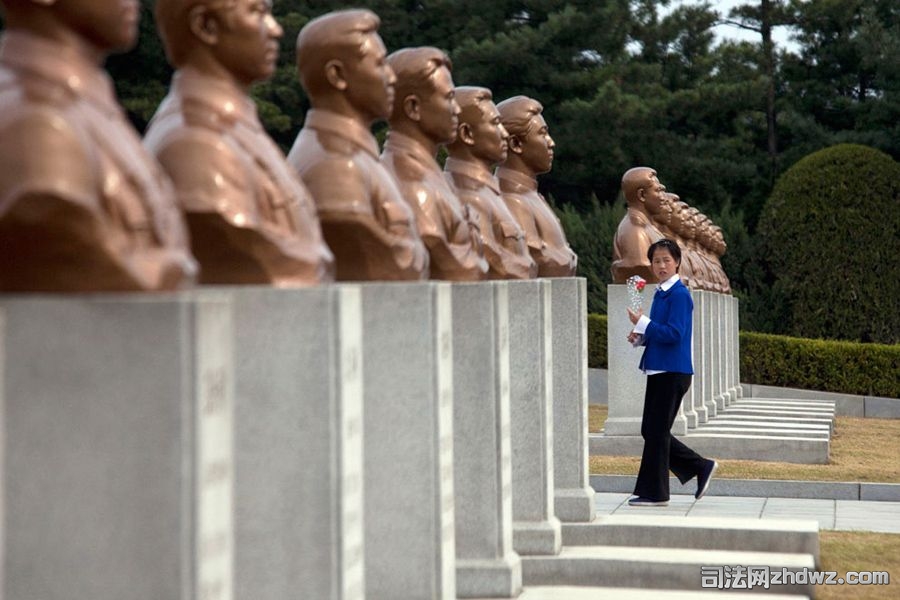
(668, 336)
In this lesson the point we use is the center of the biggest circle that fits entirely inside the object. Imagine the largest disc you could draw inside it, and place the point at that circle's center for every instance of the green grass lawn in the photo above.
(843, 551)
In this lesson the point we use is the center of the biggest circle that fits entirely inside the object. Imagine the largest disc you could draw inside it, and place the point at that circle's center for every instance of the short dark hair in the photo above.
(669, 245)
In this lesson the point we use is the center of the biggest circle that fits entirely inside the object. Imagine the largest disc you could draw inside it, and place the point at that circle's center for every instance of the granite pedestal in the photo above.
(536, 529)
(487, 565)
(118, 455)
(717, 358)
(298, 441)
(737, 390)
(707, 364)
(408, 431)
(574, 497)
(698, 384)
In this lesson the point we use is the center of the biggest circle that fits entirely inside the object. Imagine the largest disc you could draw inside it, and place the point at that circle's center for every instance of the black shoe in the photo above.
(704, 478)
(641, 501)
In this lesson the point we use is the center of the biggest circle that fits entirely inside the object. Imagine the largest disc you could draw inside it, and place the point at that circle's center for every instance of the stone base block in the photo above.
(576, 505)
(501, 578)
(542, 537)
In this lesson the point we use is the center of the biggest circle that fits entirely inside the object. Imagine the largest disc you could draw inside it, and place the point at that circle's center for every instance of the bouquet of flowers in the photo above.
(636, 285)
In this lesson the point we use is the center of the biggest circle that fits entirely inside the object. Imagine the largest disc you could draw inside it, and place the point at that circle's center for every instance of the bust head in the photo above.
(235, 39)
(480, 135)
(704, 231)
(342, 64)
(675, 215)
(642, 189)
(688, 228)
(99, 26)
(530, 144)
(424, 95)
(719, 245)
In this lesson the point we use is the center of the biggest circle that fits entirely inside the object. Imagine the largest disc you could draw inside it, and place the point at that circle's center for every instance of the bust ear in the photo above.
(515, 144)
(412, 108)
(464, 134)
(334, 73)
(204, 24)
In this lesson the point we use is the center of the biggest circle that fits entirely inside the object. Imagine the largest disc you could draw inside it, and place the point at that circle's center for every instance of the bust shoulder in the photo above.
(43, 149)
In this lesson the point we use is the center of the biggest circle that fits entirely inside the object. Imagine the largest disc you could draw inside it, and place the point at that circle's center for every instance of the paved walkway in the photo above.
(844, 515)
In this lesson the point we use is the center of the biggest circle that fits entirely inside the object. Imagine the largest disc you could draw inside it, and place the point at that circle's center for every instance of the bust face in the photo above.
(689, 223)
(370, 79)
(108, 25)
(439, 109)
(248, 40)
(537, 146)
(491, 137)
(654, 195)
(704, 233)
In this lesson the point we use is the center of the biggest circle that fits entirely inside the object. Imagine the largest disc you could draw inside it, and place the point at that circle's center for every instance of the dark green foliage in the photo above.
(142, 75)
(829, 366)
(828, 242)
(597, 342)
(591, 237)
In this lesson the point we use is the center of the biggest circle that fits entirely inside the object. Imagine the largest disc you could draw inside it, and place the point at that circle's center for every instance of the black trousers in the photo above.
(663, 452)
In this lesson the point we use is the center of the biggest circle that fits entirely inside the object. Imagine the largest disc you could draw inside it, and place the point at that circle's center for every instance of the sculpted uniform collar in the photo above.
(398, 142)
(227, 100)
(523, 182)
(345, 127)
(59, 64)
(474, 170)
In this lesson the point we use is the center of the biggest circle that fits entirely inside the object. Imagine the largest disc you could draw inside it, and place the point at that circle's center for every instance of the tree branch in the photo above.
(740, 24)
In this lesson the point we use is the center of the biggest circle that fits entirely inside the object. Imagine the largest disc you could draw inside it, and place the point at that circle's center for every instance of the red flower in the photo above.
(639, 286)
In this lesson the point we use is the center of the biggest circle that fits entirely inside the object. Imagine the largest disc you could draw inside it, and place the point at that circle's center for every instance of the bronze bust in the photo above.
(369, 227)
(531, 153)
(425, 116)
(251, 218)
(83, 207)
(481, 143)
(636, 232)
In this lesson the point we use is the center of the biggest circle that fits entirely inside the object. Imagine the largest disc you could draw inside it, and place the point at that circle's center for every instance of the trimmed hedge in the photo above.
(825, 365)
(828, 238)
(597, 341)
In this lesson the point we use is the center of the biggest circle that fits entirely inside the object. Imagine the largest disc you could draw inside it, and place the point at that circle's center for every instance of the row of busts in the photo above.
(654, 214)
(207, 196)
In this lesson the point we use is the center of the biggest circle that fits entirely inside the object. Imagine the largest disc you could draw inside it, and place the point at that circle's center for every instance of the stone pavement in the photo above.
(845, 515)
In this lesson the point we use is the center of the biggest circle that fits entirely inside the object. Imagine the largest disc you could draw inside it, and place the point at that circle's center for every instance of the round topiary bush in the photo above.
(830, 237)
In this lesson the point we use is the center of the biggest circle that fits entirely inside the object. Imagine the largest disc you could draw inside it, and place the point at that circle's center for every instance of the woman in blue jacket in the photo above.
(666, 335)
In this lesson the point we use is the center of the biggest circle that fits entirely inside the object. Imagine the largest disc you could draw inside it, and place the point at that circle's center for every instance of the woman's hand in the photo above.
(633, 337)
(635, 316)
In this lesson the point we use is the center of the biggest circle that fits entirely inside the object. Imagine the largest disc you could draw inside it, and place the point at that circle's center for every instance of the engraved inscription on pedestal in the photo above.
(351, 450)
(214, 427)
